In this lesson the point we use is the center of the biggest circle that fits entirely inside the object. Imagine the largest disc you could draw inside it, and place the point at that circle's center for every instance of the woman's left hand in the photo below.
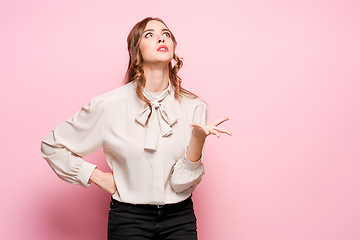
(211, 128)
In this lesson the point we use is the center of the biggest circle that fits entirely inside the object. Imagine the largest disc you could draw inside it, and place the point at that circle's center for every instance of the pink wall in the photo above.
(285, 72)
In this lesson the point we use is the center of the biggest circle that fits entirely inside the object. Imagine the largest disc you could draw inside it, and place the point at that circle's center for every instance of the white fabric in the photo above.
(166, 118)
(149, 163)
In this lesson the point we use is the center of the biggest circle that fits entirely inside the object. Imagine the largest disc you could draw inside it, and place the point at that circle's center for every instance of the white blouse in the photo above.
(149, 163)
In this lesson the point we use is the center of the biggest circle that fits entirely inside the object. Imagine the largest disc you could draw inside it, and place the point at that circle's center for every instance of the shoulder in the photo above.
(121, 93)
(193, 102)
(196, 108)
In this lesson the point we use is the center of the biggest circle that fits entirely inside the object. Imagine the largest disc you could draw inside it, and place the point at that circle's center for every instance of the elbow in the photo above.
(46, 149)
(180, 185)
(49, 146)
(186, 174)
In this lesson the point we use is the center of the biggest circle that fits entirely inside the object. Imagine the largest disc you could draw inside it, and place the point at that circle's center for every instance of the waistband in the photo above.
(183, 203)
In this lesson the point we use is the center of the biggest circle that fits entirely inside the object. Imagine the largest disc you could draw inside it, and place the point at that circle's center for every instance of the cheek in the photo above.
(142, 51)
(145, 49)
(172, 47)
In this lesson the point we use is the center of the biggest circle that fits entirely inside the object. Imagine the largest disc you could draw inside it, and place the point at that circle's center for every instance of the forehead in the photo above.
(154, 24)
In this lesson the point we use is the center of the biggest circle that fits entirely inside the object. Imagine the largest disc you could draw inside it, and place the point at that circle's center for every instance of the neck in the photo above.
(157, 77)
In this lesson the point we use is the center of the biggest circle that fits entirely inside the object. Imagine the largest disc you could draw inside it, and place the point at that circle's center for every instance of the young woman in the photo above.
(152, 131)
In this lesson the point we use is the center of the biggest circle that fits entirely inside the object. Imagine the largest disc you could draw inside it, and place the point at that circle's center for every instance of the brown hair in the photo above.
(135, 71)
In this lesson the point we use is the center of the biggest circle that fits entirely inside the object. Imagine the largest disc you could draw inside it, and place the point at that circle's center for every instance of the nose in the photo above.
(161, 39)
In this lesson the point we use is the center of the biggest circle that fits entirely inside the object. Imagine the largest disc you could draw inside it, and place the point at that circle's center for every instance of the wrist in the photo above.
(199, 136)
(194, 148)
(96, 176)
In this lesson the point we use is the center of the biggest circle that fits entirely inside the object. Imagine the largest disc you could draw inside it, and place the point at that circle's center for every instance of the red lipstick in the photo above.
(163, 48)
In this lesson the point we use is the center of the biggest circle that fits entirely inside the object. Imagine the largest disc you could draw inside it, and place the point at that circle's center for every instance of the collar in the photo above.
(162, 117)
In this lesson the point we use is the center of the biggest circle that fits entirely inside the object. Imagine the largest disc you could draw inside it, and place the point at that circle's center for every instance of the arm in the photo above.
(73, 139)
(194, 151)
(188, 170)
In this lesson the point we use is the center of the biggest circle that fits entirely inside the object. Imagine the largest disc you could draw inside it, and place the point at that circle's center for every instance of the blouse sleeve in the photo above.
(185, 173)
(71, 140)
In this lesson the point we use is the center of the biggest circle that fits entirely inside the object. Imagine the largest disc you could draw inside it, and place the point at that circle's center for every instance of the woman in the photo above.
(152, 132)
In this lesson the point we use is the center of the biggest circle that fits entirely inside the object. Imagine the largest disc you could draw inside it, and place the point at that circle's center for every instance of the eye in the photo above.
(148, 34)
(167, 33)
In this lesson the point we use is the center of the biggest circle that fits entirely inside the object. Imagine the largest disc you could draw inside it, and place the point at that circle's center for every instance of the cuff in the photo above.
(84, 173)
(192, 165)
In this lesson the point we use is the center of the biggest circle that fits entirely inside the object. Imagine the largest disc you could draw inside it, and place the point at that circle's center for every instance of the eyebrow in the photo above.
(148, 30)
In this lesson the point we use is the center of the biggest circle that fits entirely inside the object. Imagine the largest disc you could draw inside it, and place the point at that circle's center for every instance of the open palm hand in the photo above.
(210, 128)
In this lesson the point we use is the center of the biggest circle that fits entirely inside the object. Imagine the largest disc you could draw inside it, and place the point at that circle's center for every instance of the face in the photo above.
(154, 36)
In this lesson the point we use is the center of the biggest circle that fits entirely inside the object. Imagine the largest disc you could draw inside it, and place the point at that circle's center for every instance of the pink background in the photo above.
(285, 72)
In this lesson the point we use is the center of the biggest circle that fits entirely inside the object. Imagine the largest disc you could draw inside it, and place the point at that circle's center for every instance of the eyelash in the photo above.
(164, 32)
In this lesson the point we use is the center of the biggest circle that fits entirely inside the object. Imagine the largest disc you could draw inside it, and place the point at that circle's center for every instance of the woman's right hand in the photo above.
(104, 180)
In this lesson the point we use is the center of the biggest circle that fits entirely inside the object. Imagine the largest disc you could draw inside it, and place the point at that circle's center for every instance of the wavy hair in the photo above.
(135, 70)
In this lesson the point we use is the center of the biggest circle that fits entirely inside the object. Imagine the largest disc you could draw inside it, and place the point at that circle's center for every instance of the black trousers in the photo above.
(143, 222)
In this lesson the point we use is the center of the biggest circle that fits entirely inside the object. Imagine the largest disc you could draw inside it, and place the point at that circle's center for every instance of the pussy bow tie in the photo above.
(161, 117)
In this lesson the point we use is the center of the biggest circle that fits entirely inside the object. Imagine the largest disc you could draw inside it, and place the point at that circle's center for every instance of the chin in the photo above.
(159, 60)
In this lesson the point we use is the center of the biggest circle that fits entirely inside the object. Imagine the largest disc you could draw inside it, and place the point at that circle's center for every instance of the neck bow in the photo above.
(161, 117)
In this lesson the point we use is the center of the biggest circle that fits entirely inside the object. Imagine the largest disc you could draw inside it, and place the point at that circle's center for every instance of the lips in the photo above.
(163, 48)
